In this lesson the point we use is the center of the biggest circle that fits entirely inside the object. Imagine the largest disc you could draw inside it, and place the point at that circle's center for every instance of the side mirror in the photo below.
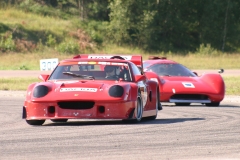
(221, 70)
(195, 73)
(43, 77)
(139, 78)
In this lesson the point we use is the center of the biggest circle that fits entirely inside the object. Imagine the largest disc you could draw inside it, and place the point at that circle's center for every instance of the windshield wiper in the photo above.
(165, 75)
(79, 75)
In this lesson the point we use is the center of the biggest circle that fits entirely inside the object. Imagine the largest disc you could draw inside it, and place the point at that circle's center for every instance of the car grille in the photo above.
(76, 104)
(190, 97)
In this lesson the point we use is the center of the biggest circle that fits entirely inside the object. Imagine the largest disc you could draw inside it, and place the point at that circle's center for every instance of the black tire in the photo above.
(59, 120)
(213, 104)
(182, 104)
(35, 122)
(159, 103)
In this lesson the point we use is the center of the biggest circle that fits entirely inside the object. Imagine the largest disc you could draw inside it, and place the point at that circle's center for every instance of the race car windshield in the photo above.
(170, 69)
(146, 64)
(78, 75)
(92, 71)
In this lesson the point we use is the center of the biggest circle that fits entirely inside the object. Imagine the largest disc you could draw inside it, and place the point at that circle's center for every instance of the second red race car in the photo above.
(179, 85)
(93, 87)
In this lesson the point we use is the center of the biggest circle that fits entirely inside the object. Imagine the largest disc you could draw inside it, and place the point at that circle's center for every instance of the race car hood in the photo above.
(80, 90)
(188, 85)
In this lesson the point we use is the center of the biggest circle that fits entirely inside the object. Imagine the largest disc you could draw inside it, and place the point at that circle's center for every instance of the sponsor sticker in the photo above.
(92, 62)
(108, 57)
(104, 63)
(78, 90)
(188, 85)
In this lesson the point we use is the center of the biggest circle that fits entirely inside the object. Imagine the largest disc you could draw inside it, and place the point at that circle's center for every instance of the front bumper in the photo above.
(102, 110)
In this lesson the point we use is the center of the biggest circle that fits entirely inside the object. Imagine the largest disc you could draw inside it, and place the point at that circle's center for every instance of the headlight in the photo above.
(40, 91)
(116, 91)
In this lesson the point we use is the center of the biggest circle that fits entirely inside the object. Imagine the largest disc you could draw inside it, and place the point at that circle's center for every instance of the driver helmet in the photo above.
(113, 70)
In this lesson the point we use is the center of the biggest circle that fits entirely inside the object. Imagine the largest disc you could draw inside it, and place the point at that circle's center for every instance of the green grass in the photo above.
(16, 84)
(26, 61)
(232, 85)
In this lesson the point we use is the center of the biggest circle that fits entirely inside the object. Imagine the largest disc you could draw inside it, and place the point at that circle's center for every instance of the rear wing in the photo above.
(136, 59)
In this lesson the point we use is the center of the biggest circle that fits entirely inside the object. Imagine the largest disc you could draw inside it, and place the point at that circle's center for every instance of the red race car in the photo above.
(179, 85)
(93, 87)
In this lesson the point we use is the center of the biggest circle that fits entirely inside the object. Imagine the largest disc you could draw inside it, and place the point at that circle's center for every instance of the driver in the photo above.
(112, 72)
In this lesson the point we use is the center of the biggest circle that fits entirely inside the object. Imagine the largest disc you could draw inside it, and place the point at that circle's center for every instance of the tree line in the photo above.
(155, 25)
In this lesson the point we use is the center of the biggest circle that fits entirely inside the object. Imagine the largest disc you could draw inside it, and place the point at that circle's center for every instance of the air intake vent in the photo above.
(76, 104)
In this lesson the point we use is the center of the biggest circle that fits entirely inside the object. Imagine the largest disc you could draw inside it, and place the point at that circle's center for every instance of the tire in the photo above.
(159, 103)
(59, 120)
(182, 104)
(139, 108)
(35, 122)
(213, 104)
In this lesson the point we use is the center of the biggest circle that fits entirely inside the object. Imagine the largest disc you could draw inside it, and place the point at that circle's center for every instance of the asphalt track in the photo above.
(187, 132)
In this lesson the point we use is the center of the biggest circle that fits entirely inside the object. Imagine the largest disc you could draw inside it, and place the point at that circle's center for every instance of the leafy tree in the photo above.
(173, 25)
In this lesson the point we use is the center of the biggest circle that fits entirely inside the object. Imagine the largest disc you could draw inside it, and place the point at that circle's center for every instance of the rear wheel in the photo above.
(213, 104)
(182, 104)
(59, 120)
(35, 122)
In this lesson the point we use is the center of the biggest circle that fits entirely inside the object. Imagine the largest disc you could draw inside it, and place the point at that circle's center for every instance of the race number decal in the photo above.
(188, 85)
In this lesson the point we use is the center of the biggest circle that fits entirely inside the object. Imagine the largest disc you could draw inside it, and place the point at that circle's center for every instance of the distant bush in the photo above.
(206, 50)
(51, 41)
(24, 45)
(97, 31)
(23, 67)
(83, 39)
(68, 47)
(7, 43)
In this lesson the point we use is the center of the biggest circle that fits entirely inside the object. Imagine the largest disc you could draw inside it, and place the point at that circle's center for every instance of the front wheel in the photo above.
(182, 104)
(35, 122)
(139, 108)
